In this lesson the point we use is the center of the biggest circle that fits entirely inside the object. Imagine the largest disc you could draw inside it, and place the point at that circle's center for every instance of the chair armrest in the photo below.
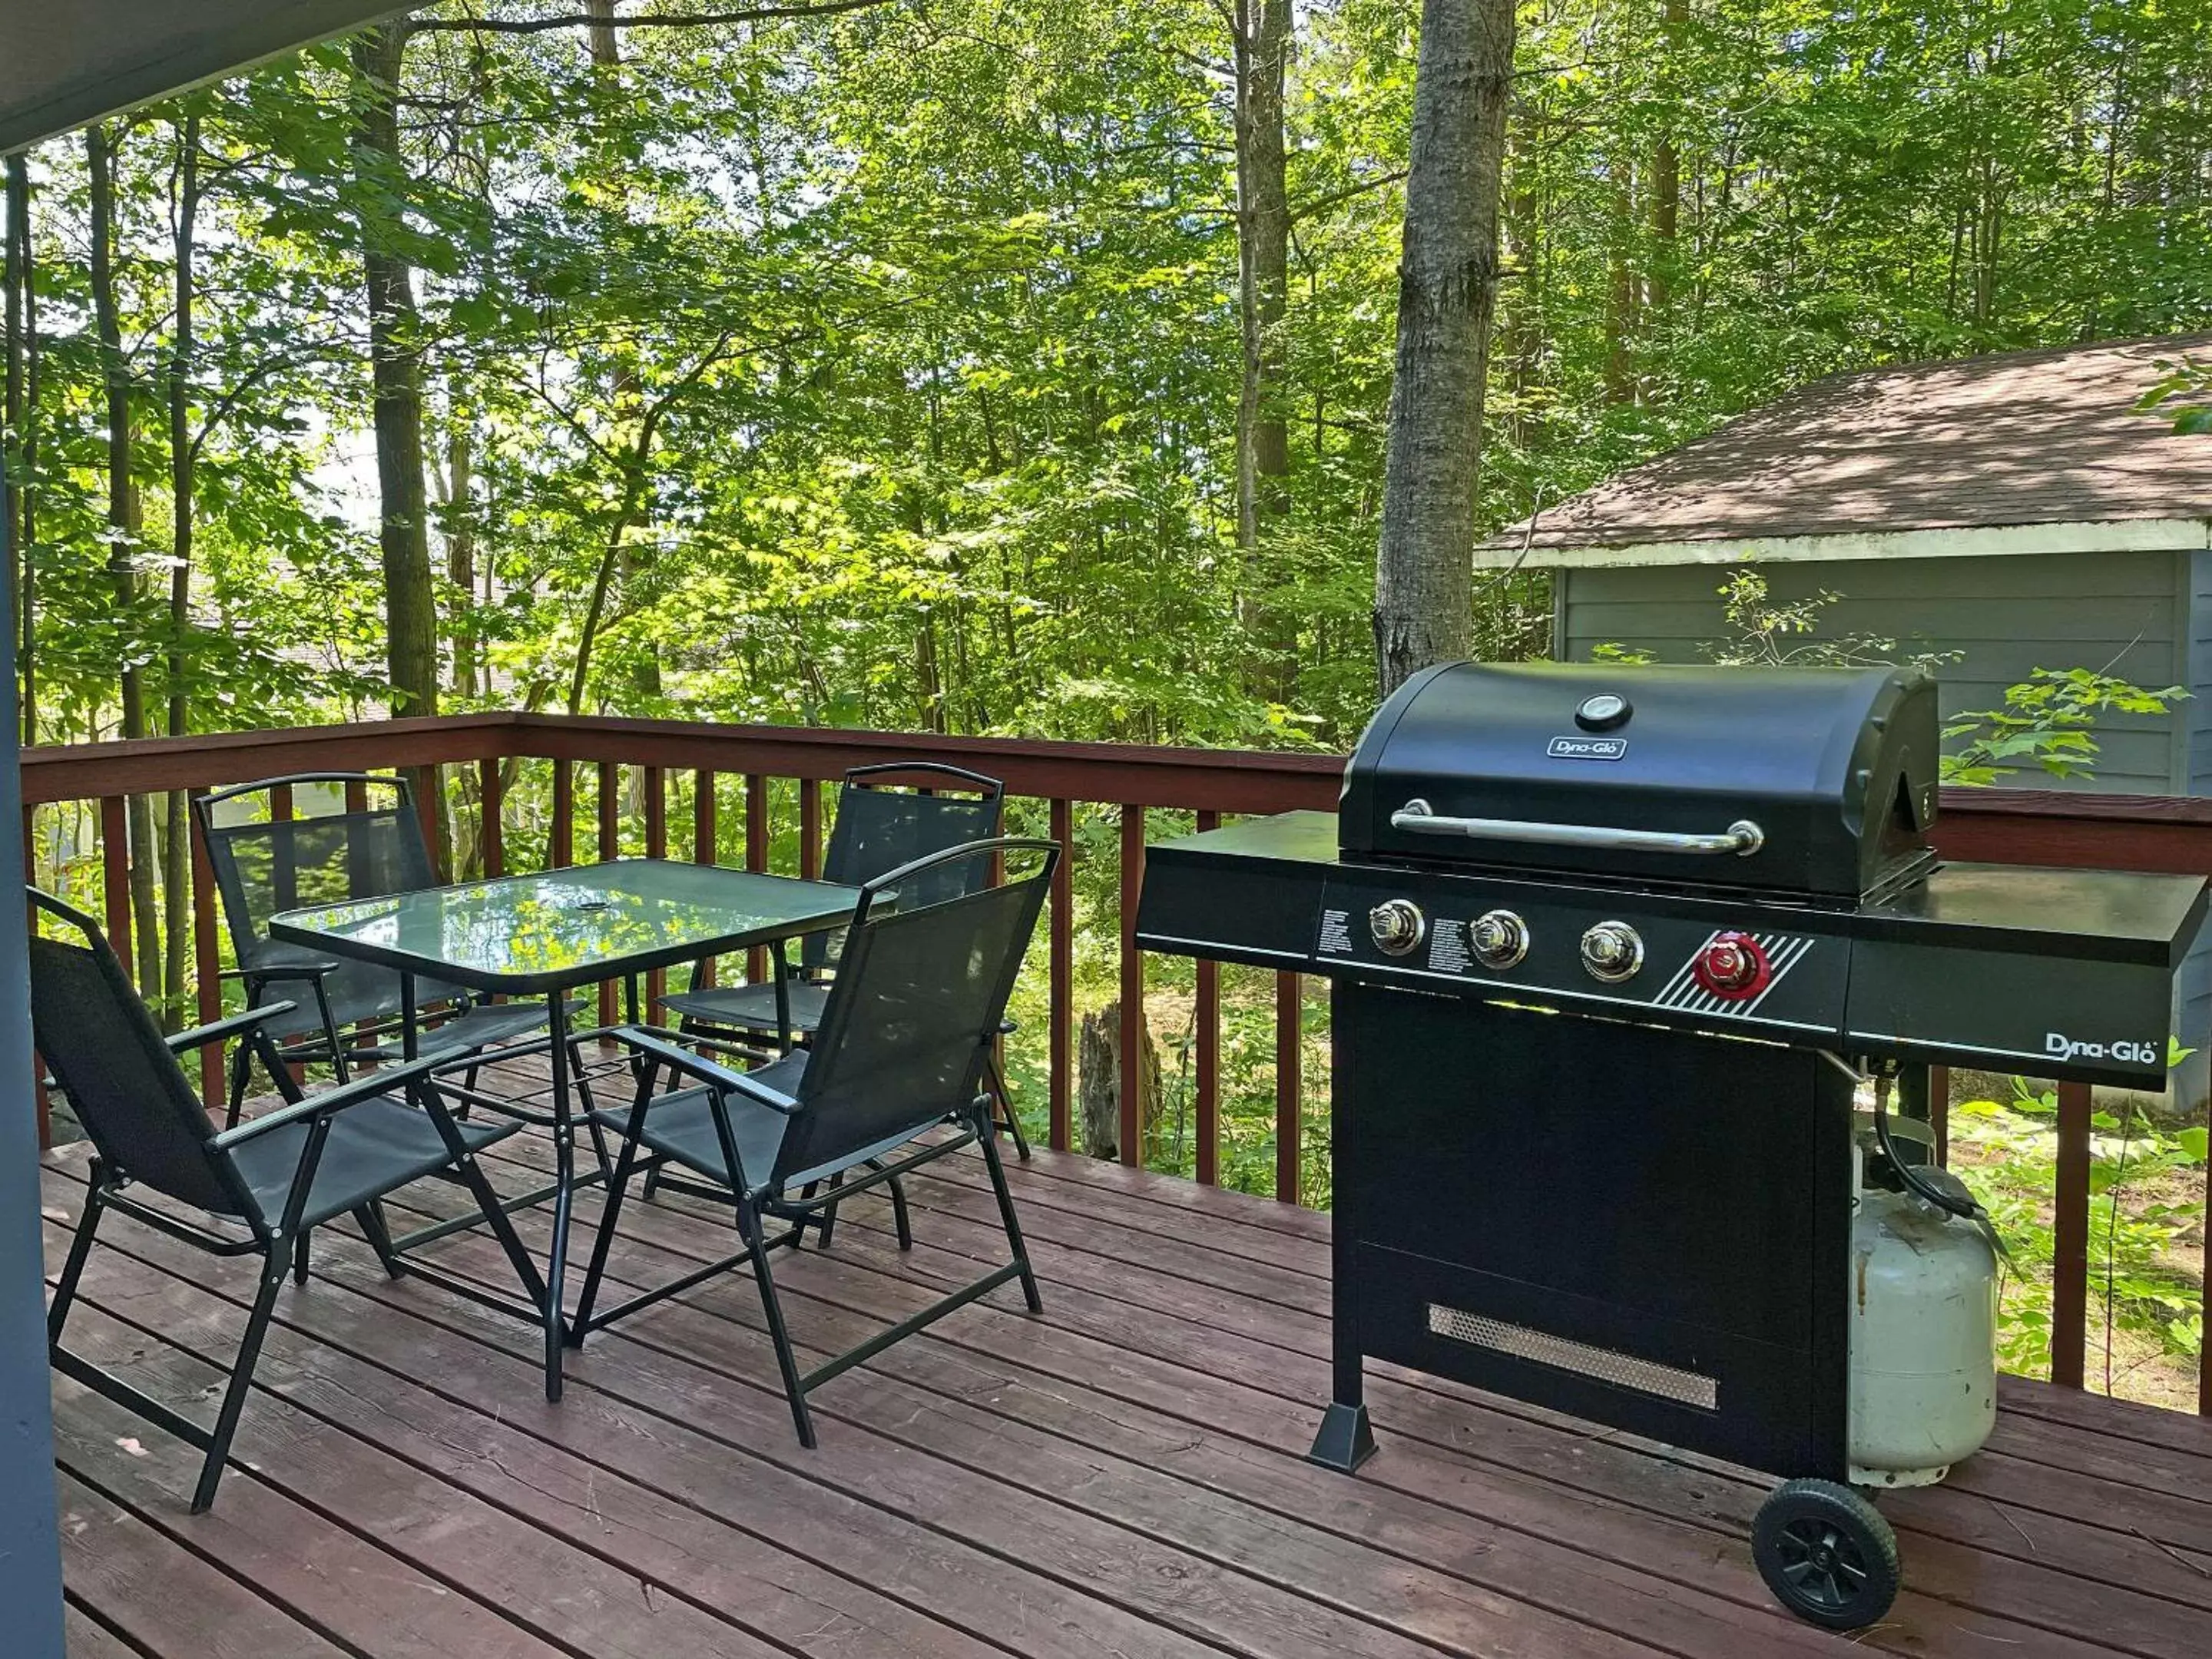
(274, 958)
(659, 1047)
(388, 1081)
(216, 1030)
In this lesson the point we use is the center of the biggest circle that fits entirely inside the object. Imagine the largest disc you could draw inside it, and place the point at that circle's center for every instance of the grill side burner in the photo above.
(1607, 948)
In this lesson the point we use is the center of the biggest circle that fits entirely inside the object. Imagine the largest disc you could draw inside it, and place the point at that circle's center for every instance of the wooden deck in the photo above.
(1120, 1479)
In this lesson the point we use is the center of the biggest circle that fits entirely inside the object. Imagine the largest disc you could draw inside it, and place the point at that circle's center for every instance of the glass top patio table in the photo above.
(520, 935)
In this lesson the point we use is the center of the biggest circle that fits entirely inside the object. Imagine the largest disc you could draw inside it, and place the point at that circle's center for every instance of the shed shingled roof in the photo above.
(2011, 438)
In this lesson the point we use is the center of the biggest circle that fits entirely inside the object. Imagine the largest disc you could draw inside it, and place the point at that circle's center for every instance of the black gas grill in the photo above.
(1613, 951)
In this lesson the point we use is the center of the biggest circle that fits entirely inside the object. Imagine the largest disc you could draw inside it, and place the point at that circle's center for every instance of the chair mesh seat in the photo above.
(373, 1147)
(681, 1125)
(751, 1007)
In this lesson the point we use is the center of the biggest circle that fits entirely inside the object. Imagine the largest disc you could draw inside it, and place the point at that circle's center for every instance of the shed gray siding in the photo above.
(2116, 612)
(2146, 617)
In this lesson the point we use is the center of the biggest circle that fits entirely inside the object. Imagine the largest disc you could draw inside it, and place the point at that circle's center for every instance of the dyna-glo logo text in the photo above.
(2062, 1047)
(1607, 748)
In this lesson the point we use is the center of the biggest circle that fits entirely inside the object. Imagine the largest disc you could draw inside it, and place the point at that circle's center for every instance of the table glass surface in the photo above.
(566, 927)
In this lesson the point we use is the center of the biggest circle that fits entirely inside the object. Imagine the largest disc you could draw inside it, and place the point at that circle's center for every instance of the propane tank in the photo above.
(1924, 1383)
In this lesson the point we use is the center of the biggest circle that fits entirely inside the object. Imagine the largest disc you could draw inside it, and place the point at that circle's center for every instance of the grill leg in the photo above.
(1346, 1440)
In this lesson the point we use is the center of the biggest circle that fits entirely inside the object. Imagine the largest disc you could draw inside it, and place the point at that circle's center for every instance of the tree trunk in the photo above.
(123, 535)
(1667, 173)
(1098, 1095)
(1263, 249)
(637, 557)
(176, 860)
(23, 422)
(461, 543)
(14, 310)
(1446, 289)
(1620, 288)
(395, 372)
(395, 355)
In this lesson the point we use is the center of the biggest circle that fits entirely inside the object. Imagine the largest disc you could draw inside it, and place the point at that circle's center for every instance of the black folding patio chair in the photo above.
(905, 1031)
(347, 1010)
(887, 816)
(266, 1183)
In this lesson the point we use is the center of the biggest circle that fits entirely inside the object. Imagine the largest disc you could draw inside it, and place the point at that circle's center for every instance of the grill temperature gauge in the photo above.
(1397, 926)
(1498, 938)
(1612, 951)
(1733, 967)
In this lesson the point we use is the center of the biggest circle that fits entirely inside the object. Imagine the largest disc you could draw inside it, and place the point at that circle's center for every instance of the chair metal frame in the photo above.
(760, 1196)
(788, 1035)
(281, 1244)
(336, 1050)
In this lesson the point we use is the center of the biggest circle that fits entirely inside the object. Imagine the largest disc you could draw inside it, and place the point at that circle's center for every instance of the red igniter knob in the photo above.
(1733, 967)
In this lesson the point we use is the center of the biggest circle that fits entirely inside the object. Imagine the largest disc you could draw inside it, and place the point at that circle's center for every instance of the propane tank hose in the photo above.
(1960, 1203)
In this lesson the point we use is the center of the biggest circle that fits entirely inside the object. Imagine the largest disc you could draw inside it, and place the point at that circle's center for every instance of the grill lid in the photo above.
(1815, 782)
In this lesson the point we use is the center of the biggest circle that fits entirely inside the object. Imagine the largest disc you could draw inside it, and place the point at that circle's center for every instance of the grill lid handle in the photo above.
(1742, 838)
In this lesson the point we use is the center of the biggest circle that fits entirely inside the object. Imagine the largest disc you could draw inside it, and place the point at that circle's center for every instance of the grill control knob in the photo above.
(1398, 926)
(1733, 967)
(1612, 951)
(1498, 938)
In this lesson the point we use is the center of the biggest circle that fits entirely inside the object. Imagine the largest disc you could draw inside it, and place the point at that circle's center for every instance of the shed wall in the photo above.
(2006, 616)
(2146, 617)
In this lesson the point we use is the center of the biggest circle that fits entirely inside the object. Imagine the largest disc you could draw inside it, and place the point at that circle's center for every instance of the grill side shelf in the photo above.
(1248, 893)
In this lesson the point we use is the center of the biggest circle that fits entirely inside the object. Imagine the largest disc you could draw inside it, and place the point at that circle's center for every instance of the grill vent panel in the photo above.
(1606, 1364)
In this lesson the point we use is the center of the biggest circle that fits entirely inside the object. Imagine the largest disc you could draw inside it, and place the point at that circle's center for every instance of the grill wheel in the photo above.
(1826, 1553)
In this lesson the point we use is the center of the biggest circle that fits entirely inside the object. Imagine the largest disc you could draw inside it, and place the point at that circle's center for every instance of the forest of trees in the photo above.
(974, 365)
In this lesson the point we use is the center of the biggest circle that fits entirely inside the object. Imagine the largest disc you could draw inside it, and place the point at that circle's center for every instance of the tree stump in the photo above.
(1098, 1093)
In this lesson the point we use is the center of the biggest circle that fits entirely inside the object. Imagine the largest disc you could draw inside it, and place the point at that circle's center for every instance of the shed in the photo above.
(2014, 509)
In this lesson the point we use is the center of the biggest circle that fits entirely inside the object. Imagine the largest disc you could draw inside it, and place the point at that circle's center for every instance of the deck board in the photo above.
(1122, 1477)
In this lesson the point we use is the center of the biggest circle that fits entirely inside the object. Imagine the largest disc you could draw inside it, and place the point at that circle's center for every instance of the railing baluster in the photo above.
(810, 828)
(1130, 1093)
(1290, 1068)
(207, 962)
(756, 857)
(608, 779)
(651, 780)
(115, 876)
(429, 796)
(2069, 1251)
(284, 877)
(1206, 1021)
(1061, 967)
(704, 834)
(561, 838)
(609, 775)
(491, 834)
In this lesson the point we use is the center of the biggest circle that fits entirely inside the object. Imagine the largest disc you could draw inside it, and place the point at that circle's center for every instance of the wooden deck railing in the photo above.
(472, 756)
